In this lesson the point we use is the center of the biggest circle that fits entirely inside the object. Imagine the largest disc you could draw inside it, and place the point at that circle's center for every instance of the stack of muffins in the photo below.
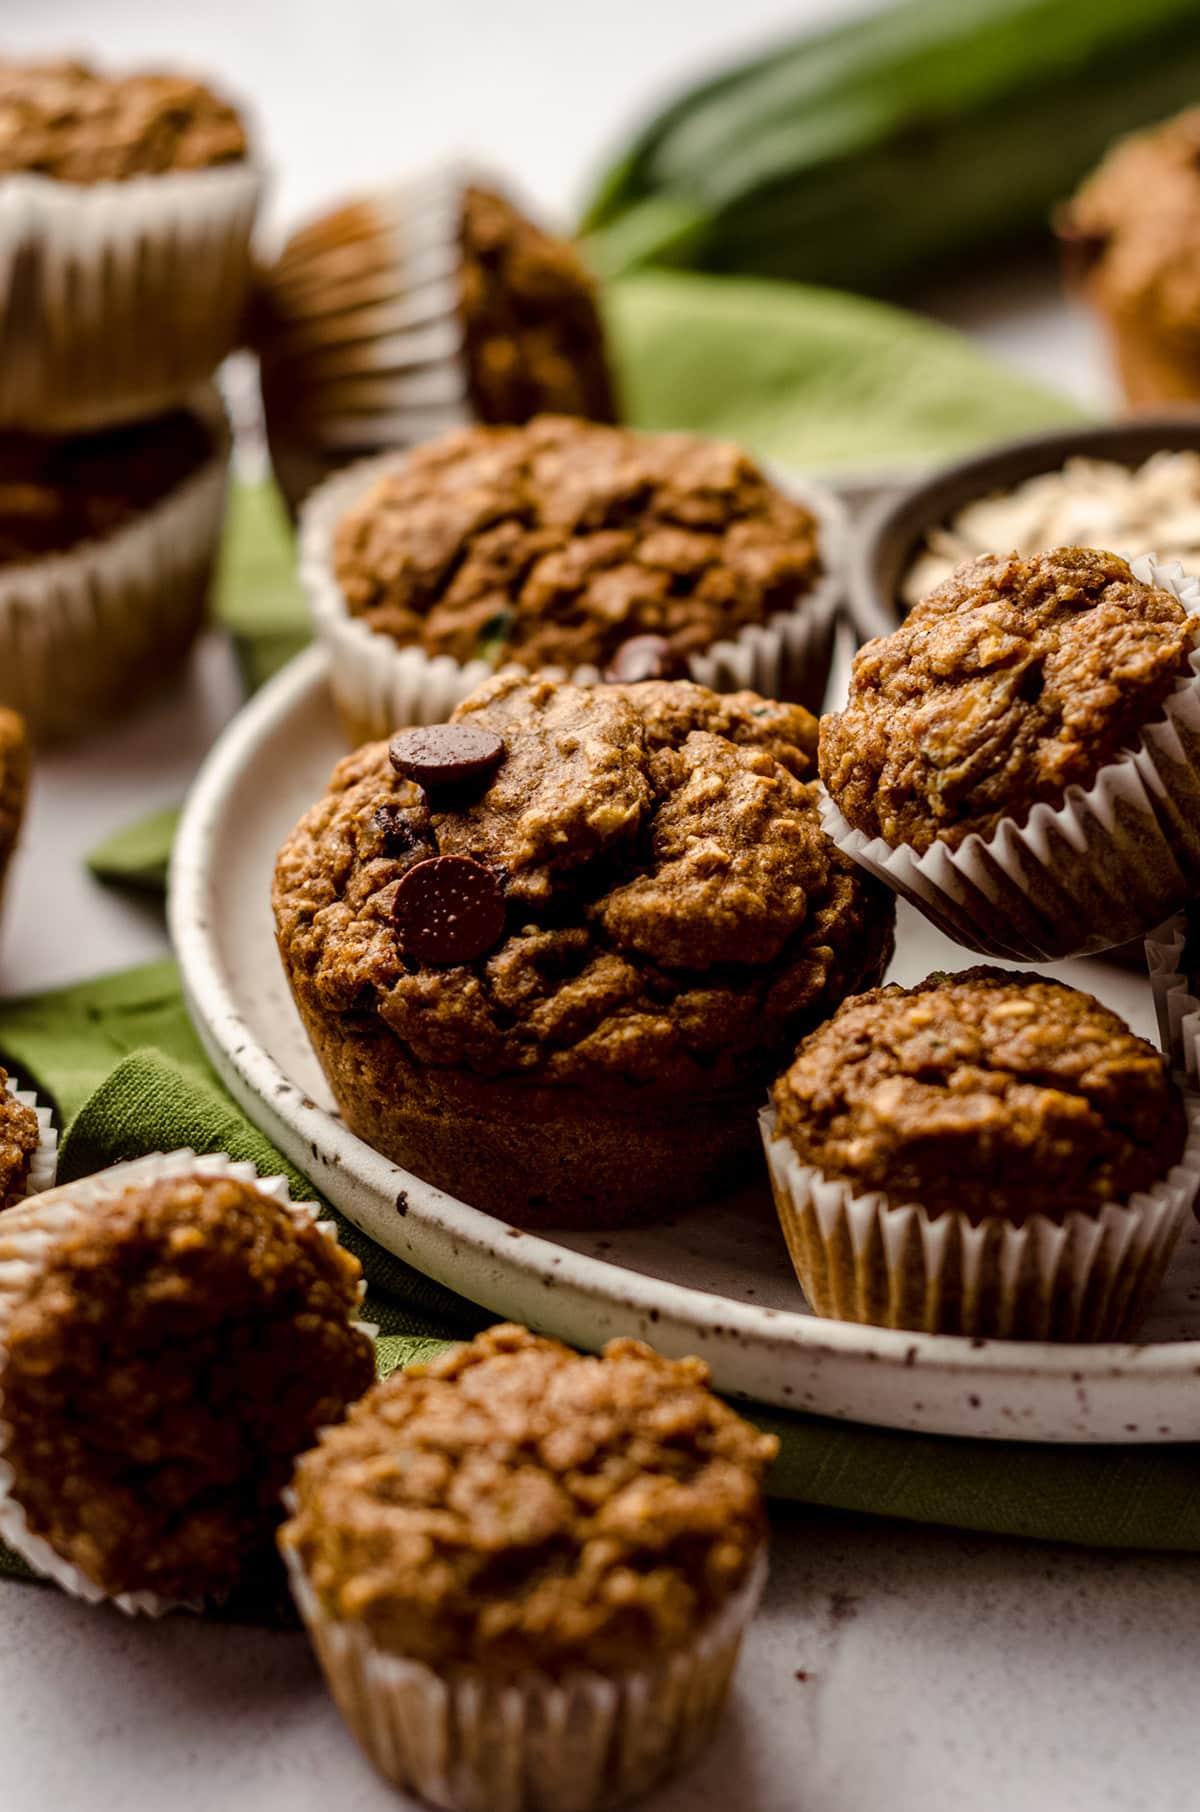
(126, 210)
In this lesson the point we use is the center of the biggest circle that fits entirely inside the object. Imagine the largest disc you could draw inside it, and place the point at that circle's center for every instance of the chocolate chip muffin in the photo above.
(20, 1137)
(182, 1333)
(1131, 248)
(69, 121)
(584, 1535)
(951, 1124)
(549, 956)
(14, 784)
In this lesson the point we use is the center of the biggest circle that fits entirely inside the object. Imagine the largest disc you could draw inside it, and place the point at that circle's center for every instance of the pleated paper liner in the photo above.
(578, 1743)
(1087, 1278)
(1171, 960)
(85, 633)
(379, 686)
(28, 1234)
(118, 299)
(1103, 867)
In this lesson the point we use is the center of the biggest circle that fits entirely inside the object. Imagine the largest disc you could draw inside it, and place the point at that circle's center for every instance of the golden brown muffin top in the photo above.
(1011, 682)
(19, 1140)
(69, 121)
(166, 1363)
(987, 1092)
(670, 910)
(552, 544)
(513, 1504)
(1131, 235)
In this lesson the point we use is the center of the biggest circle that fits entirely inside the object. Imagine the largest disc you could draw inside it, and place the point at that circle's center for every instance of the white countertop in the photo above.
(891, 1670)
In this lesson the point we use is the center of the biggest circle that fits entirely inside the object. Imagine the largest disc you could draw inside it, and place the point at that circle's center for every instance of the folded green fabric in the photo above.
(122, 1064)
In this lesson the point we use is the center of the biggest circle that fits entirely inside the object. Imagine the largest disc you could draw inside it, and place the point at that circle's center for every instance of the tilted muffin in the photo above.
(554, 545)
(1021, 756)
(416, 309)
(123, 199)
(527, 1573)
(14, 785)
(554, 977)
(173, 1333)
(1131, 247)
(986, 1153)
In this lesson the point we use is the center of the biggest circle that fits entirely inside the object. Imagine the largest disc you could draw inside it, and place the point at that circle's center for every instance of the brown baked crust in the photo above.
(984, 1092)
(19, 1139)
(552, 544)
(14, 782)
(165, 1365)
(56, 494)
(532, 332)
(1013, 681)
(68, 121)
(515, 1505)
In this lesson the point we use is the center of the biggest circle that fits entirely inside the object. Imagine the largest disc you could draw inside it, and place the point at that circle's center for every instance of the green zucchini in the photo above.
(869, 155)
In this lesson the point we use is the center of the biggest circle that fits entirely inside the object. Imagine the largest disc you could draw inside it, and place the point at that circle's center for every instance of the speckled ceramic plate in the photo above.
(717, 1282)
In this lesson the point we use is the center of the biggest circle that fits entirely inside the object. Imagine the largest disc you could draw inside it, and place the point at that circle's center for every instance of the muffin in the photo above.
(173, 1332)
(14, 785)
(549, 955)
(107, 547)
(1021, 758)
(123, 200)
(551, 546)
(420, 308)
(527, 1573)
(988, 1153)
(28, 1144)
(1131, 249)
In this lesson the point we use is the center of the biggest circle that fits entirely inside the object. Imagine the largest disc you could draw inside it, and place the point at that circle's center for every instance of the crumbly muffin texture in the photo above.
(69, 121)
(167, 1362)
(56, 494)
(1011, 682)
(531, 326)
(515, 1505)
(986, 1092)
(19, 1139)
(674, 912)
(551, 544)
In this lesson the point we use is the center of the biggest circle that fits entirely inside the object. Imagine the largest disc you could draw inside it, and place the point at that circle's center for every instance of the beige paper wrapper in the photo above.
(43, 1166)
(576, 1744)
(379, 686)
(84, 633)
(118, 299)
(1176, 1005)
(1105, 866)
(1090, 1277)
(30, 1231)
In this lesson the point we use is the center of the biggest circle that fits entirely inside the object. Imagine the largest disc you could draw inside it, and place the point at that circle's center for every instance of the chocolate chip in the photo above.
(395, 830)
(444, 754)
(645, 657)
(448, 909)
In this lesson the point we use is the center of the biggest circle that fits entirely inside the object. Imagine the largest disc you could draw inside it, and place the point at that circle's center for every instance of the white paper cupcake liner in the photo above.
(1086, 1278)
(1105, 866)
(84, 632)
(379, 686)
(43, 1166)
(575, 1744)
(117, 299)
(27, 1234)
(1176, 1003)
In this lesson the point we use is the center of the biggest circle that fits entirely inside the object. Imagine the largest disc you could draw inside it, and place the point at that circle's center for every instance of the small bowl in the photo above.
(893, 530)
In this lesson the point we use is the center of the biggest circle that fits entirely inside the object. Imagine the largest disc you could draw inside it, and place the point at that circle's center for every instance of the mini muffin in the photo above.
(20, 1139)
(1131, 248)
(419, 308)
(552, 546)
(1021, 757)
(173, 1333)
(107, 547)
(987, 1153)
(124, 200)
(14, 786)
(550, 954)
(527, 1573)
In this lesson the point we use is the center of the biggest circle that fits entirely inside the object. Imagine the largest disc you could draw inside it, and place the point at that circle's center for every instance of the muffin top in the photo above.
(1131, 235)
(554, 543)
(987, 1092)
(55, 494)
(641, 868)
(515, 1505)
(167, 1361)
(1013, 681)
(19, 1138)
(68, 121)
(14, 779)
